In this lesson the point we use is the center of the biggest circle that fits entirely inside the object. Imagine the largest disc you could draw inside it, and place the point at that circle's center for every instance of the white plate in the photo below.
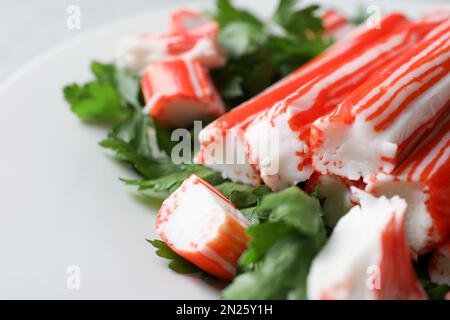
(61, 203)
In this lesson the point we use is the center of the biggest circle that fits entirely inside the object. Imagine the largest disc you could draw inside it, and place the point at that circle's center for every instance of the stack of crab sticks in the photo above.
(222, 142)
(291, 118)
(174, 68)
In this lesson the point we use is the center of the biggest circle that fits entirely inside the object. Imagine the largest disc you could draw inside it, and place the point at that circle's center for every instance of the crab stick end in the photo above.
(282, 158)
(421, 227)
(352, 151)
(224, 150)
(177, 92)
(202, 226)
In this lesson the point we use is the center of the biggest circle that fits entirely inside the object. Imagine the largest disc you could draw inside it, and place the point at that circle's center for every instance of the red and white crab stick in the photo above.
(439, 267)
(367, 255)
(225, 135)
(336, 24)
(201, 34)
(211, 235)
(190, 35)
(423, 180)
(380, 122)
(178, 92)
(290, 120)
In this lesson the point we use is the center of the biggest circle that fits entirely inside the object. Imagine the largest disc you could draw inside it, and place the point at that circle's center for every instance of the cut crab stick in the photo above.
(439, 267)
(423, 180)
(335, 195)
(202, 226)
(178, 92)
(290, 120)
(336, 24)
(367, 255)
(203, 35)
(225, 135)
(196, 39)
(381, 122)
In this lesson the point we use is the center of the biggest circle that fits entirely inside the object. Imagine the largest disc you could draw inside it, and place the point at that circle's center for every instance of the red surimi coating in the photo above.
(360, 39)
(336, 24)
(189, 27)
(387, 114)
(424, 178)
(318, 98)
(179, 91)
(399, 280)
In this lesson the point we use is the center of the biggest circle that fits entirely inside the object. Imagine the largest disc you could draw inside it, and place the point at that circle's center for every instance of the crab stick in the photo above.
(336, 24)
(201, 37)
(199, 41)
(335, 195)
(291, 119)
(423, 180)
(381, 122)
(225, 135)
(439, 267)
(367, 255)
(178, 92)
(202, 226)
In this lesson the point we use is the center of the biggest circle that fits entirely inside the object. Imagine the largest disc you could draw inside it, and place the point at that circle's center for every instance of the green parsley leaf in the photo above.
(95, 102)
(129, 88)
(242, 195)
(282, 274)
(98, 100)
(277, 260)
(297, 22)
(170, 182)
(294, 207)
(227, 13)
(177, 263)
(264, 236)
(104, 73)
(241, 38)
(261, 52)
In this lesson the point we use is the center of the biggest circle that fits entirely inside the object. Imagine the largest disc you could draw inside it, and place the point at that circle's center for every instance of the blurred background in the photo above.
(28, 28)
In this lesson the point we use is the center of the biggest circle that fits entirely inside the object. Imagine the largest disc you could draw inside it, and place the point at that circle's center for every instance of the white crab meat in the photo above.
(367, 255)
(439, 267)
